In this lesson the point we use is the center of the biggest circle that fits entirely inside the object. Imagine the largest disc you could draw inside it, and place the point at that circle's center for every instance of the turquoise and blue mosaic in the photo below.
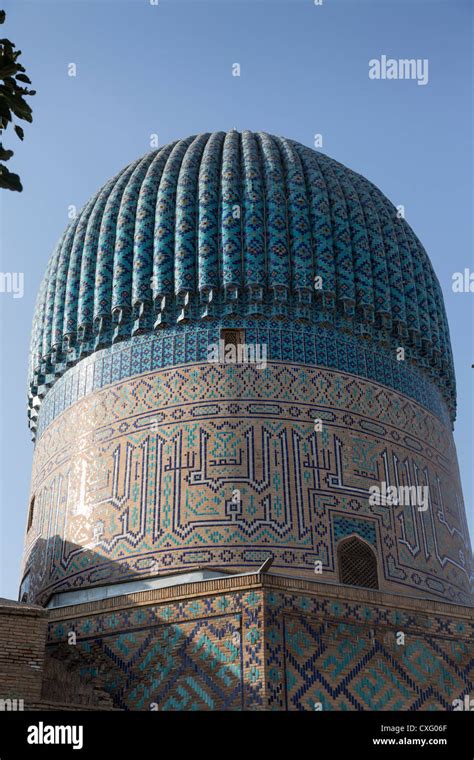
(348, 526)
(272, 649)
(323, 654)
(325, 348)
(199, 654)
(229, 224)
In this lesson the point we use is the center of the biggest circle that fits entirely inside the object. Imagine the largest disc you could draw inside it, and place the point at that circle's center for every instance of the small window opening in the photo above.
(233, 337)
(357, 563)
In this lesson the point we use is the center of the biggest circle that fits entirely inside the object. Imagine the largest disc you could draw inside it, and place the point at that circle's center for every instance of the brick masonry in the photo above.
(22, 650)
(29, 677)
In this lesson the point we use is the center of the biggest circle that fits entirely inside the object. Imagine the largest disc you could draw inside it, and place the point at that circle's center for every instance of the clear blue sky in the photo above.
(166, 69)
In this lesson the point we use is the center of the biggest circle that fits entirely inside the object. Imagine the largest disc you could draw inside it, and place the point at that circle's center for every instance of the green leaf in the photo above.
(13, 79)
(5, 155)
(8, 70)
(9, 181)
(10, 84)
(25, 91)
(19, 107)
(25, 116)
(4, 110)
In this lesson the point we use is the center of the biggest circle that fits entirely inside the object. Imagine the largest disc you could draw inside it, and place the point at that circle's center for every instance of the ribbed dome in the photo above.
(229, 223)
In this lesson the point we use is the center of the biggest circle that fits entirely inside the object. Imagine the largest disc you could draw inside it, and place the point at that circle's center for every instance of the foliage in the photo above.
(13, 105)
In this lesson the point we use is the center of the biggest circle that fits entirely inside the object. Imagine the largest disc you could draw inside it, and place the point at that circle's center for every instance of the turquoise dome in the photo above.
(225, 224)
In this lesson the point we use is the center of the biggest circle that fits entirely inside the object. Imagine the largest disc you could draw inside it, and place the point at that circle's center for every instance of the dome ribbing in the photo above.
(229, 223)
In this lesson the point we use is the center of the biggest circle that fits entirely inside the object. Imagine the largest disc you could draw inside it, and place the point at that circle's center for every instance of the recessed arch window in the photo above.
(25, 588)
(31, 513)
(357, 563)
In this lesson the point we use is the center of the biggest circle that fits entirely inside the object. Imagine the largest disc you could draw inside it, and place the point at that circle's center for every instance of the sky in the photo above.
(166, 69)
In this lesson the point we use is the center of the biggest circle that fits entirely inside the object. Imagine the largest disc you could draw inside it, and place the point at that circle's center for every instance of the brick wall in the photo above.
(22, 650)
(30, 678)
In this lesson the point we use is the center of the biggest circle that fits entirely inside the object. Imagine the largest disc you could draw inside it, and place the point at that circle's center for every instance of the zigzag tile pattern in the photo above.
(335, 655)
(200, 654)
(273, 649)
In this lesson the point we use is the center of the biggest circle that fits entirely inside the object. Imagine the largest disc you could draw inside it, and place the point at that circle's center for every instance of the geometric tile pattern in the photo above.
(191, 666)
(273, 649)
(347, 526)
(337, 656)
(204, 654)
(345, 669)
(149, 460)
(237, 224)
(295, 344)
(220, 466)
